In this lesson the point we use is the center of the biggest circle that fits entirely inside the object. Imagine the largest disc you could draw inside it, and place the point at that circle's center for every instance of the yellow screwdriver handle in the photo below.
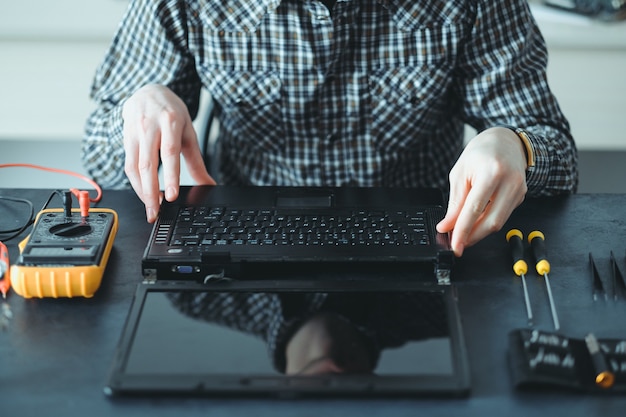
(537, 243)
(515, 238)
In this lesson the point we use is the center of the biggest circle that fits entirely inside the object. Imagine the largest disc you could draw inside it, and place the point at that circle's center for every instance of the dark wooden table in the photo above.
(56, 353)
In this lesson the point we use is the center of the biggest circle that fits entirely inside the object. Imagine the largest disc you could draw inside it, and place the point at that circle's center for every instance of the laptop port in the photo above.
(184, 269)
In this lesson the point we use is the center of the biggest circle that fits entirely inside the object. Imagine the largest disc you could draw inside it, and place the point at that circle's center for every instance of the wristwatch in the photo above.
(528, 146)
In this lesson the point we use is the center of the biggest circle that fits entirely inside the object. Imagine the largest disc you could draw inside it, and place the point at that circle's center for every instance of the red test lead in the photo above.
(5, 277)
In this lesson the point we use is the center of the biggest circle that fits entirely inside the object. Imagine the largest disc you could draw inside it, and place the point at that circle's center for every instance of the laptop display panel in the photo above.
(247, 338)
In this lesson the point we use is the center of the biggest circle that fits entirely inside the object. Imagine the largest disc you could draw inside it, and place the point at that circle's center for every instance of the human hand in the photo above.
(486, 184)
(157, 123)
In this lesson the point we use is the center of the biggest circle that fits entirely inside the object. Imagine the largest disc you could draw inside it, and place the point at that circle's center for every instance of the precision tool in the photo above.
(619, 285)
(515, 239)
(537, 243)
(598, 288)
(603, 376)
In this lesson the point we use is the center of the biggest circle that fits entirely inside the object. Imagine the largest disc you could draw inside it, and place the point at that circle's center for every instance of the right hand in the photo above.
(157, 122)
(487, 183)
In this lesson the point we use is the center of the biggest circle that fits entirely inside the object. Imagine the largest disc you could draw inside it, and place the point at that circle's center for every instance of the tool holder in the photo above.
(540, 360)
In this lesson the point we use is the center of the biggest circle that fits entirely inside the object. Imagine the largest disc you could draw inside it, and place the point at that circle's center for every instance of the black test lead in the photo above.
(537, 243)
(515, 239)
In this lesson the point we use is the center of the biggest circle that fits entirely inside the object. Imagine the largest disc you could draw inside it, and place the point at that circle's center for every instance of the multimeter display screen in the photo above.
(61, 254)
(60, 240)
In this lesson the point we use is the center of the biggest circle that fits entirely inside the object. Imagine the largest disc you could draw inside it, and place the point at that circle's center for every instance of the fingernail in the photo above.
(170, 193)
(150, 214)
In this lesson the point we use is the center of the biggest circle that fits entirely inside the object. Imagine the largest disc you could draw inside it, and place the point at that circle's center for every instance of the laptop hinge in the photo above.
(150, 276)
(443, 276)
(443, 267)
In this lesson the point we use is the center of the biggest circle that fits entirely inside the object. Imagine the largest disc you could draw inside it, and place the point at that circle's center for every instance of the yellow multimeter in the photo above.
(65, 255)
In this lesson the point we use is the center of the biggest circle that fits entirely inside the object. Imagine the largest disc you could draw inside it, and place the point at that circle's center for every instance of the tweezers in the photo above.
(598, 288)
(619, 285)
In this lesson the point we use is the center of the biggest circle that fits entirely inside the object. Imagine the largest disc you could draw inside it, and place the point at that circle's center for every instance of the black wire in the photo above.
(13, 233)
(58, 193)
(20, 229)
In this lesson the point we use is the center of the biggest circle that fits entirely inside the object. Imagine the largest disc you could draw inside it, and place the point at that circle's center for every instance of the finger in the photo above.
(171, 138)
(503, 202)
(478, 198)
(148, 165)
(131, 152)
(457, 197)
(193, 158)
(490, 221)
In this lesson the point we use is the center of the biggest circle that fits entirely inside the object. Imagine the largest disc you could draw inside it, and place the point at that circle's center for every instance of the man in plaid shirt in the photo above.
(346, 92)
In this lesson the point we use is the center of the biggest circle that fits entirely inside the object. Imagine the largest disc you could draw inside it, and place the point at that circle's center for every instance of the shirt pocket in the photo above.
(236, 15)
(251, 108)
(411, 15)
(406, 105)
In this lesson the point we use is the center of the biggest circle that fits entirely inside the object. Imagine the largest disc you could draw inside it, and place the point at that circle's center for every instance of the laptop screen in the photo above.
(258, 341)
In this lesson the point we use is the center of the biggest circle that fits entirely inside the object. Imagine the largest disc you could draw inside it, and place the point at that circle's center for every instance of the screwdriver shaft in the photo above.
(555, 317)
(529, 312)
(515, 239)
(537, 243)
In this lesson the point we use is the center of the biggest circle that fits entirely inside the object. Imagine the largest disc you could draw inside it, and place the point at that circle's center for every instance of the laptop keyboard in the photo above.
(222, 227)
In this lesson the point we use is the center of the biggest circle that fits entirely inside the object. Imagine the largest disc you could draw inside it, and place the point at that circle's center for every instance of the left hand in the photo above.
(486, 184)
(157, 125)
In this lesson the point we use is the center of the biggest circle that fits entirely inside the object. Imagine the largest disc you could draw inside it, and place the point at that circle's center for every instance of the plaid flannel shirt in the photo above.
(370, 93)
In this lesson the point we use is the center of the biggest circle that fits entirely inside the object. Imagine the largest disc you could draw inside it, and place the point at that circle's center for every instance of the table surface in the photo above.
(56, 353)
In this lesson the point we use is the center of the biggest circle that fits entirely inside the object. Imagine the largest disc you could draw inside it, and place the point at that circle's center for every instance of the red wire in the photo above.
(60, 171)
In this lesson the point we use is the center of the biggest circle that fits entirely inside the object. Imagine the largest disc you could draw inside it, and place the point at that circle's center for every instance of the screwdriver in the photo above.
(537, 243)
(515, 239)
